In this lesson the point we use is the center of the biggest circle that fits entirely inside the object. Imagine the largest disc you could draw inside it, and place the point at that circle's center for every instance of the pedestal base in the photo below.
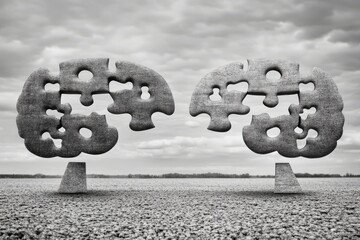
(285, 180)
(74, 179)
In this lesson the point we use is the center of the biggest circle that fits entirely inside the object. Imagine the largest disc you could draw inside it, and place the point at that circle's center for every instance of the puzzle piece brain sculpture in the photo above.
(32, 120)
(328, 119)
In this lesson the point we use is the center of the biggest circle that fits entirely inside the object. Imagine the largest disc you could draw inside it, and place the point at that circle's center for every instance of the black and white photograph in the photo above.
(189, 119)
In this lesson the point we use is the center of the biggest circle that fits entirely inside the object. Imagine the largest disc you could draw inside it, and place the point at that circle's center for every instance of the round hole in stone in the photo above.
(216, 95)
(306, 87)
(55, 113)
(52, 87)
(306, 112)
(115, 86)
(85, 132)
(240, 87)
(57, 142)
(312, 133)
(298, 130)
(145, 93)
(273, 132)
(273, 75)
(85, 75)
(45, 135)
(301, 143)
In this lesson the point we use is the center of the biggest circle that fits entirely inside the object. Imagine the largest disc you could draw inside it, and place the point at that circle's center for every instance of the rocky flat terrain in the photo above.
(180, 209)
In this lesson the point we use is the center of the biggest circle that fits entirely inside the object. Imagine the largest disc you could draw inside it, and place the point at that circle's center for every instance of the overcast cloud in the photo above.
(181, 40)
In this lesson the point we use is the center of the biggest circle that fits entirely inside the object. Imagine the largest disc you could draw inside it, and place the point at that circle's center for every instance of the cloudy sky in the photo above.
(181, 40)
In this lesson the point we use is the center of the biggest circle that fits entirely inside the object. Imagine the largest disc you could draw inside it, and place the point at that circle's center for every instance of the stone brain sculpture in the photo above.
(32, 120)
(328, 119)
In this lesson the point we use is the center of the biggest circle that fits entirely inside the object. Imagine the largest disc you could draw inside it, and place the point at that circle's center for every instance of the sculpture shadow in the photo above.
(88, 194)
(258, 194)
(268, 194)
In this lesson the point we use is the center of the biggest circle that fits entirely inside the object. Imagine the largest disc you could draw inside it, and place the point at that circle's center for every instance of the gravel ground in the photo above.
(180, 209)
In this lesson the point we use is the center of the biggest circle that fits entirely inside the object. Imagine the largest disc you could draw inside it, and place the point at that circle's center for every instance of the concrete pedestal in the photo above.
(285, 180)
(74, 179)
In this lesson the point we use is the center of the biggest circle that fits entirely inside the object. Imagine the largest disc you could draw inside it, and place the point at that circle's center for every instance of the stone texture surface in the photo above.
(34, 101)
(180, 209)
(74, 178)
(230, 103)
(70, 82)
(260, 85)
(32, 122)
(285, 180)
(129, 101)
(328, 119)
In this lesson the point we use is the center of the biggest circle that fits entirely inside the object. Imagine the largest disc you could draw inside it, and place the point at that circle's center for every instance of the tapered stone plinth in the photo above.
(285, 180)
(74, 179)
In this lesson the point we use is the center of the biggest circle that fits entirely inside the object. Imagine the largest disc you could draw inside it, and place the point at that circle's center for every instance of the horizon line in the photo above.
(180, 175)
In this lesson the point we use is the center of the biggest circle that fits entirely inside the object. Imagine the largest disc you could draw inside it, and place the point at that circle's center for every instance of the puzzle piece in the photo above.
(328, 119)
(230, 102)
(103, 137)
(129, 100)
(260, 85)
(32, 122)
(256, 138)
(70, 82)
(34, 101)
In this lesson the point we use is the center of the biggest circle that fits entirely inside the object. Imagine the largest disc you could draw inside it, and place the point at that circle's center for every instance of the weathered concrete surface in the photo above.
(34, 101)
(74, 179)
(285, 180)
(70, 82)
(230, 103)
(129, 101)
(328, 119)
(32, 122)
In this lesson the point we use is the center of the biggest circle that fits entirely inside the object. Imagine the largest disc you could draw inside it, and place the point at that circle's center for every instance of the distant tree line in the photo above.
(105, 176)
(205, 175)
(38, 175)
(181, 175)
(318, 175)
